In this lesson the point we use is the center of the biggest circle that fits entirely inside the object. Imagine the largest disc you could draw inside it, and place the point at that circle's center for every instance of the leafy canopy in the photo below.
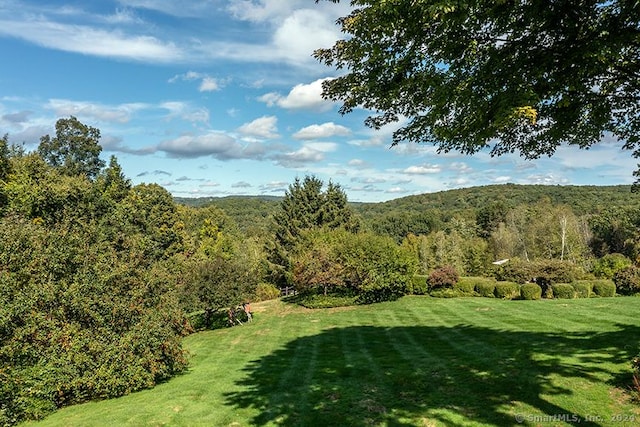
(513, 75)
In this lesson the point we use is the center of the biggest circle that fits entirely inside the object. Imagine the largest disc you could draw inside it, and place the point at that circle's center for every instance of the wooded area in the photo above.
(100, 279)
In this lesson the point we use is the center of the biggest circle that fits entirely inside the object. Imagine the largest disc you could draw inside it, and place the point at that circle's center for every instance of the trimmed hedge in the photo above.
(418, 284)
(448, 293)
(466, 284)
(563, 291)
(486, 288)
(507, 290)
(583, 288)
(604, 288)
(530, 291)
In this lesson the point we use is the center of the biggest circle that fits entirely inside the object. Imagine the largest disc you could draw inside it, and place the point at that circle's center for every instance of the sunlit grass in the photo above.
(417, 361)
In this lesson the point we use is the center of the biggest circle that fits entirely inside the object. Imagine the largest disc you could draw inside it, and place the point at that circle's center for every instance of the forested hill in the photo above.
(582, 199)
(251, 211)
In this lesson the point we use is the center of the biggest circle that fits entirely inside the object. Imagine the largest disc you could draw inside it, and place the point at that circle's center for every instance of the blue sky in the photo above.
(222, 97)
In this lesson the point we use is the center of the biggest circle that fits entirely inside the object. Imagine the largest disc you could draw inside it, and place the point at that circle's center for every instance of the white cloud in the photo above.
(185, 111)
(216, 144)
(90, 110)
(301, 97)
(358, 163)
(423, 169)
(325, 130)
(92, 41)
(310, 152)
(207, 83)
(303, 32)
(262, 127)
(175, 8)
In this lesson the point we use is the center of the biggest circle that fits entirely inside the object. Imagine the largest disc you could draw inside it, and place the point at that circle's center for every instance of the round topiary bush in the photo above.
(627, 280)
(466, 285)
(604, 288)
(507, 290)
(530, 291)
(583, 288)
(563, 291)
(486, 288)
(443, 277)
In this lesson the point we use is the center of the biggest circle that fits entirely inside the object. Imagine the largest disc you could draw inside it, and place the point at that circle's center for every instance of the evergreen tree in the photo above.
(305, 207)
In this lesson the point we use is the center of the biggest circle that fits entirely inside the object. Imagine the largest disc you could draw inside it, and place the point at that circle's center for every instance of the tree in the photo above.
(75, 149)
(517, 76)
(306, 207)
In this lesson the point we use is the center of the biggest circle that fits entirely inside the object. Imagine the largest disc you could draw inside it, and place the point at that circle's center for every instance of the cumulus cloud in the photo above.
(301, 97)
(16, 118)
(185, 111)
(216, 144)
(423, 169)
(325, 130)
(262, 127)
(95, 111)
(207, 83)
(308, 153)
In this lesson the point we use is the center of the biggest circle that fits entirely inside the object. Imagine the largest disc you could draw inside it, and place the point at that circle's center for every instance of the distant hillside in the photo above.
(254, 211)
(582, 199)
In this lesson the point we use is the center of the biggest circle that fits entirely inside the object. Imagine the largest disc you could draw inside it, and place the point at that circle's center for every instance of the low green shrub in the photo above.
(486, 288)
(604, 288)
(266, 291)
(563, 291)
(418, 284)
(325, 301)
(466, 284)
(507, 290)
(583, 288)
(448, 293)
(530, 291)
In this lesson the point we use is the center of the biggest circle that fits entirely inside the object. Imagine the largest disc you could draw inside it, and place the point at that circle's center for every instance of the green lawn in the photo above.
(419, 361)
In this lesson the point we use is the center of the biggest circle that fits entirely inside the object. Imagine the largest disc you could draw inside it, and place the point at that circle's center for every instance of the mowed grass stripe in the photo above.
(416, 361)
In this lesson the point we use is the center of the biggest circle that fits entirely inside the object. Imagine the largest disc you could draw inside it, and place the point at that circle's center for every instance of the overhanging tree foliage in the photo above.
(513, 75)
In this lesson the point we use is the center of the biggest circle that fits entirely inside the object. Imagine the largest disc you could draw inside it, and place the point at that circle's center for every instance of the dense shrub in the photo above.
(530, 291)
(607, 266)
(545, 272)
(335, 262)
(486, 288)
(627, 280)
(81, 320)
(604, 288)
(442, 277)
(418, 285)
(507, 290)
(266, 291)
(563, 291)
(466, 285)
(583, 288)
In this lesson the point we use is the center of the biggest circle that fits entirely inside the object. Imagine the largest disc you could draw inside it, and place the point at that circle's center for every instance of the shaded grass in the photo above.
(416, 361)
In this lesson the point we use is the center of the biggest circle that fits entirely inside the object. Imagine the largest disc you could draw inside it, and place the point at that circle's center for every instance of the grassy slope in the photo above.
(417, 361)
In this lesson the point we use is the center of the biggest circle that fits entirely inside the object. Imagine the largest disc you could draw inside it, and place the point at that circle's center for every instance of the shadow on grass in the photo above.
(399, 376)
